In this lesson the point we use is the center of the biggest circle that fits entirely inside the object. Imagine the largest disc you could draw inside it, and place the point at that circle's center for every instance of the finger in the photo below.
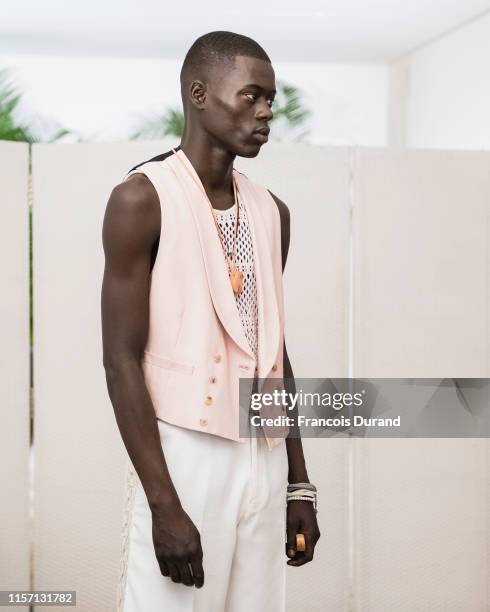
(185, 574)
(300, 559)
(163, 568)
(291, 540)
(296, 560)
(174, 572)
(304, 557)
(197, 571)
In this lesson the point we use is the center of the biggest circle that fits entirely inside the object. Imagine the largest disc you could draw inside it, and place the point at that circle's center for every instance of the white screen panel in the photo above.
(79, 475)
(421, 309)
(421, 257)
(421, 515)
(314, 183)
(14, 373)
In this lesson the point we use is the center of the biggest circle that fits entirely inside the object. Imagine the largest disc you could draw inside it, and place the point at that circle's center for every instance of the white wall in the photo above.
(104, 98)
(448, 90)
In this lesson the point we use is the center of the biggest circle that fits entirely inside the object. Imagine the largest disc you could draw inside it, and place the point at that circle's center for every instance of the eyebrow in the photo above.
(272, 91)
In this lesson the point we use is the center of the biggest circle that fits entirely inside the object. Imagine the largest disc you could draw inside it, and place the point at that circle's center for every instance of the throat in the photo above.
(222, 203)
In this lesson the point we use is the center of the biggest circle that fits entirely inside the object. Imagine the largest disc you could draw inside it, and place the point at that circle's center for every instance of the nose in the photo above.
(264, 112)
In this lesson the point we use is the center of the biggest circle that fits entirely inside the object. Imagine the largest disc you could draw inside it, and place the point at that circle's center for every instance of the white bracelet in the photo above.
(300, 497)
(306, 492)
(290, 497)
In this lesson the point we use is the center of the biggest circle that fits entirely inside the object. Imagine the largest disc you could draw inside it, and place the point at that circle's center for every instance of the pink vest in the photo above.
(196, 349)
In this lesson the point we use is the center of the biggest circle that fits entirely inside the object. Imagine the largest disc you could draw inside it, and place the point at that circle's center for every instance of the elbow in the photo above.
(119, 368)
(111, 376)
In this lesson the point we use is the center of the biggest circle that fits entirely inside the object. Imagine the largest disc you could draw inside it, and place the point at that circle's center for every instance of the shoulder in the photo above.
(136, 196)
(157, 158)
(133, 211)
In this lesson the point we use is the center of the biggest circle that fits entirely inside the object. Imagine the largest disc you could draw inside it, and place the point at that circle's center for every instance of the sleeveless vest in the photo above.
(196, 349)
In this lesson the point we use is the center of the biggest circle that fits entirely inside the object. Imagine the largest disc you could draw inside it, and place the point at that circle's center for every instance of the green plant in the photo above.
(170, 124)
(9, 101)
(290, 114)
(10, 127)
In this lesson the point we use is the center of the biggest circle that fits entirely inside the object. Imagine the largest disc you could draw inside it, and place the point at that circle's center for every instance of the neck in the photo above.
(213, 164)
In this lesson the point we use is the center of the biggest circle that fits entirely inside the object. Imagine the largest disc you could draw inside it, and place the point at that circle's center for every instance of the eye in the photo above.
(253, 96)
(270, 101)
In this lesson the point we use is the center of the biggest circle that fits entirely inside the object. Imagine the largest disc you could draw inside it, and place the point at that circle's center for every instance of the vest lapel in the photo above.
(268, 310)
(214, 261)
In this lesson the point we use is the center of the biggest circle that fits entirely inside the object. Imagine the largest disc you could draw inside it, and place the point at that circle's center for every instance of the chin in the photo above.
(249, 150)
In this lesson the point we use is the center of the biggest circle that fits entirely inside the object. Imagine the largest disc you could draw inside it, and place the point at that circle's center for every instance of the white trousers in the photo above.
(235, 495)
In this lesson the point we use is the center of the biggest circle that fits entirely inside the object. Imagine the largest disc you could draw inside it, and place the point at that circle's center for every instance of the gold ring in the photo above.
(300, 542)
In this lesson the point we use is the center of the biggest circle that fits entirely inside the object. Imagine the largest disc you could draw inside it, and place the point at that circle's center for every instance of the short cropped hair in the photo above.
(213, 49)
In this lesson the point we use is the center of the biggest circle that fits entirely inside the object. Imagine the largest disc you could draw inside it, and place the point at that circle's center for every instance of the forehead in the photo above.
(247, 71)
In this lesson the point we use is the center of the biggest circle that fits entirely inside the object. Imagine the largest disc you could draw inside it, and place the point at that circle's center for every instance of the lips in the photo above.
(262, 134)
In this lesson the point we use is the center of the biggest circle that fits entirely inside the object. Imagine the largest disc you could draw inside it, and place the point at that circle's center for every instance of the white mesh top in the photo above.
(246, 299)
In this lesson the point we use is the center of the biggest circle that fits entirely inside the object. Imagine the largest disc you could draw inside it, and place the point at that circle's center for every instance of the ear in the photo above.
(197, 94)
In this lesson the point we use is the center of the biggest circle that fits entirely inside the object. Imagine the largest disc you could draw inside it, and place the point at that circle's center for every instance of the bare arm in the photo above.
(130, 229)
(300, 515)
(296, 460)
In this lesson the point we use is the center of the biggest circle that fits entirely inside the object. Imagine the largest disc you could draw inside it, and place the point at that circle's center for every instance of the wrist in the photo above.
(302, 491)
(163, 500)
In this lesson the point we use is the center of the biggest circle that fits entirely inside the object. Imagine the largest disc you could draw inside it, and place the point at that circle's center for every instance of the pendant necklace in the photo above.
(236, 275)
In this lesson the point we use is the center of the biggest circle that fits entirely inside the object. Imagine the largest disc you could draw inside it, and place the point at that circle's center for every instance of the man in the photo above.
(191, 302)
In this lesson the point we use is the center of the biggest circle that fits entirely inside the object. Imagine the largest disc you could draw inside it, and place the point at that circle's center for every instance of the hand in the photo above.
(177, 545)
(301, 518)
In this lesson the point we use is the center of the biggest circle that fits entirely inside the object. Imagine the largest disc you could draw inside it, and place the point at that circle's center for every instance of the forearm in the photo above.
(297, 467)
(137, 423)
(296, 460)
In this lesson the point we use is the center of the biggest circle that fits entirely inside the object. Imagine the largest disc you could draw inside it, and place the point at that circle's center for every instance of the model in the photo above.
(192, 302)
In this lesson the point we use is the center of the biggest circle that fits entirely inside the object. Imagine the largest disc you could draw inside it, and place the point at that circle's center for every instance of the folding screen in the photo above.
(420, 308)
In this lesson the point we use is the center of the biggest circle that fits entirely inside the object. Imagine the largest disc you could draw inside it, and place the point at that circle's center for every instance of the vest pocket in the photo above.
(167, 364)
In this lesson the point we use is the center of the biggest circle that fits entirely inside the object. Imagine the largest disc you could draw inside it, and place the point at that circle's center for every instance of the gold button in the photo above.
(274, 367)
(212, 379)
(209, 400)
(203, 422)
(217, 358)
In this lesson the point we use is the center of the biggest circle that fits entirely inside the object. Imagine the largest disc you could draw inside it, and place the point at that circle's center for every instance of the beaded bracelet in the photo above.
(302, 491)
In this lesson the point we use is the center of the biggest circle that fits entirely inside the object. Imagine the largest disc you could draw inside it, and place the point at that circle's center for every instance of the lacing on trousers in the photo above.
(131, 480)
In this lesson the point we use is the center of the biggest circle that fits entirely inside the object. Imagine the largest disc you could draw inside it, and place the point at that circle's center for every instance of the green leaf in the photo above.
(288, 106)
(10, 127)
(154, 128)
